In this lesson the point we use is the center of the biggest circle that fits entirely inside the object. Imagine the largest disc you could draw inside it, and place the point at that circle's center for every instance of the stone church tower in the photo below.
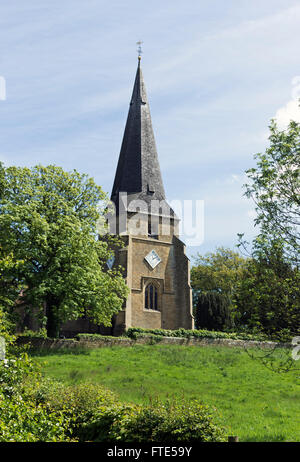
(153, 257)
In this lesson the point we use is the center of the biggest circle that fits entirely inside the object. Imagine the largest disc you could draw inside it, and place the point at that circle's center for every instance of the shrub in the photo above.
(6, 327)
(78, 399)
(105, 424)
(17, 374)
(41, 333)
(78, 403)
(213, 312)
(22, 420)
(136, 332)
(172, 421)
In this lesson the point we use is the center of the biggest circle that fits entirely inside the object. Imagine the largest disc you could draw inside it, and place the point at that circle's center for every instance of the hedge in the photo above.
(137, 332)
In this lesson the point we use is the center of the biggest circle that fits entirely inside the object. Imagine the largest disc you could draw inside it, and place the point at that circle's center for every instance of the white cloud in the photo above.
(291, 111)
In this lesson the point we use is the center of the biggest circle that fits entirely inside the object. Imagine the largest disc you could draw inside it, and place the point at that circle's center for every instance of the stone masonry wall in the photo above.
(123, 341)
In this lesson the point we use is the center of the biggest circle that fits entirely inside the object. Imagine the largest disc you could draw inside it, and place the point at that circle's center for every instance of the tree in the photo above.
(217, 271)
(214, 279)
(9, 284)
(213, 312)
(268, 296)
(275, 188)
(48, 222)
(2, 176)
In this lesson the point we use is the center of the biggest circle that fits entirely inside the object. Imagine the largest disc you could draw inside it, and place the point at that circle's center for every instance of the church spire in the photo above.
(138, 172)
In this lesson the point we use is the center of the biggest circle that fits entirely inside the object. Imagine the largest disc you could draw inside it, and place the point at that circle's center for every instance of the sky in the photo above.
(216, 72)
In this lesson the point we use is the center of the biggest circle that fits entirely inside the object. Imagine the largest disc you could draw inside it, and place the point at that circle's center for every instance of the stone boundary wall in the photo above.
(54, 344)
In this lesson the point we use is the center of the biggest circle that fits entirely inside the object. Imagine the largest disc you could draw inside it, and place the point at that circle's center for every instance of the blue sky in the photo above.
(216, 72)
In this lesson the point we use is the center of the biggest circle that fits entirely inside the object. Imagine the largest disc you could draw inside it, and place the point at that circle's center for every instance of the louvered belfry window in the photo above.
(151, 297)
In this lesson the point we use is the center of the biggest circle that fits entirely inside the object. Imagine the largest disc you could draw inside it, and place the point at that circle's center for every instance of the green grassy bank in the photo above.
(255, 403)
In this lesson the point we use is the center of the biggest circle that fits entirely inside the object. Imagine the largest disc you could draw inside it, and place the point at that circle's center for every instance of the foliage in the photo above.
(23, 421)
(2, 179)
(104, 424)
(77, 400)
(275, 188)
(214, 280)
(41, 333)
(217, 271)
(136, 332)
(5, 327)
(14, 373)
(10, 287)
(170, 421)
(21, 418)
(213, 312)
(268, 297)
(48, 222)
(78, 403)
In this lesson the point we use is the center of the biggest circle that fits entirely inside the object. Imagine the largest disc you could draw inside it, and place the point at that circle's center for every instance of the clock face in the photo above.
(153, 259)
(110, 262)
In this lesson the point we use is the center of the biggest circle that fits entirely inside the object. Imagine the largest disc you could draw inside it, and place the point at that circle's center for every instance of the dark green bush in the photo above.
(136, 332)
(78, 403)
(171, 421)
(105, 423)
(213, 312)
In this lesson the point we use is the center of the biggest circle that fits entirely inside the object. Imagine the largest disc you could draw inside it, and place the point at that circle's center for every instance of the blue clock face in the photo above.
(153, 259)
(110, 262)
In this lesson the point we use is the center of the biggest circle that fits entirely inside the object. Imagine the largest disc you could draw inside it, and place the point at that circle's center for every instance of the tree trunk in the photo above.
(53, 324)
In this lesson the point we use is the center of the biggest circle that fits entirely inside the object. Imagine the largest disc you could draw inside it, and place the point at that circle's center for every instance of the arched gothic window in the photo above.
(151, 297)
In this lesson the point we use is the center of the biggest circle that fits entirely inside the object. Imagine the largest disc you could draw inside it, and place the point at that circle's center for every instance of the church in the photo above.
(156, 268)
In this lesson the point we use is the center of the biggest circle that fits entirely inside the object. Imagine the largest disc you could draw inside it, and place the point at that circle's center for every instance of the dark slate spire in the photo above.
(138, 172)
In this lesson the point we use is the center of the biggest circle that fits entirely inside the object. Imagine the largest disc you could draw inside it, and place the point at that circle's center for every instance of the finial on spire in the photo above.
(139, 50)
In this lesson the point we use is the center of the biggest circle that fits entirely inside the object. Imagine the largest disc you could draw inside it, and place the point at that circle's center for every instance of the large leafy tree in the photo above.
(275, 188)
(9, 285)
(217, 271)
(48, 223)
(214, 279)
(268, 296)
(8, 292)
(2, 177)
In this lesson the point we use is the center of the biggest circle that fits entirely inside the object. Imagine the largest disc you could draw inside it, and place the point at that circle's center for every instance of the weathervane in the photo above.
(139, 50)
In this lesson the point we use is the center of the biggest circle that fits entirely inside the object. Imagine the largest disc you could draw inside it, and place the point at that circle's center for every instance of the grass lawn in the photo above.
(255, 403)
